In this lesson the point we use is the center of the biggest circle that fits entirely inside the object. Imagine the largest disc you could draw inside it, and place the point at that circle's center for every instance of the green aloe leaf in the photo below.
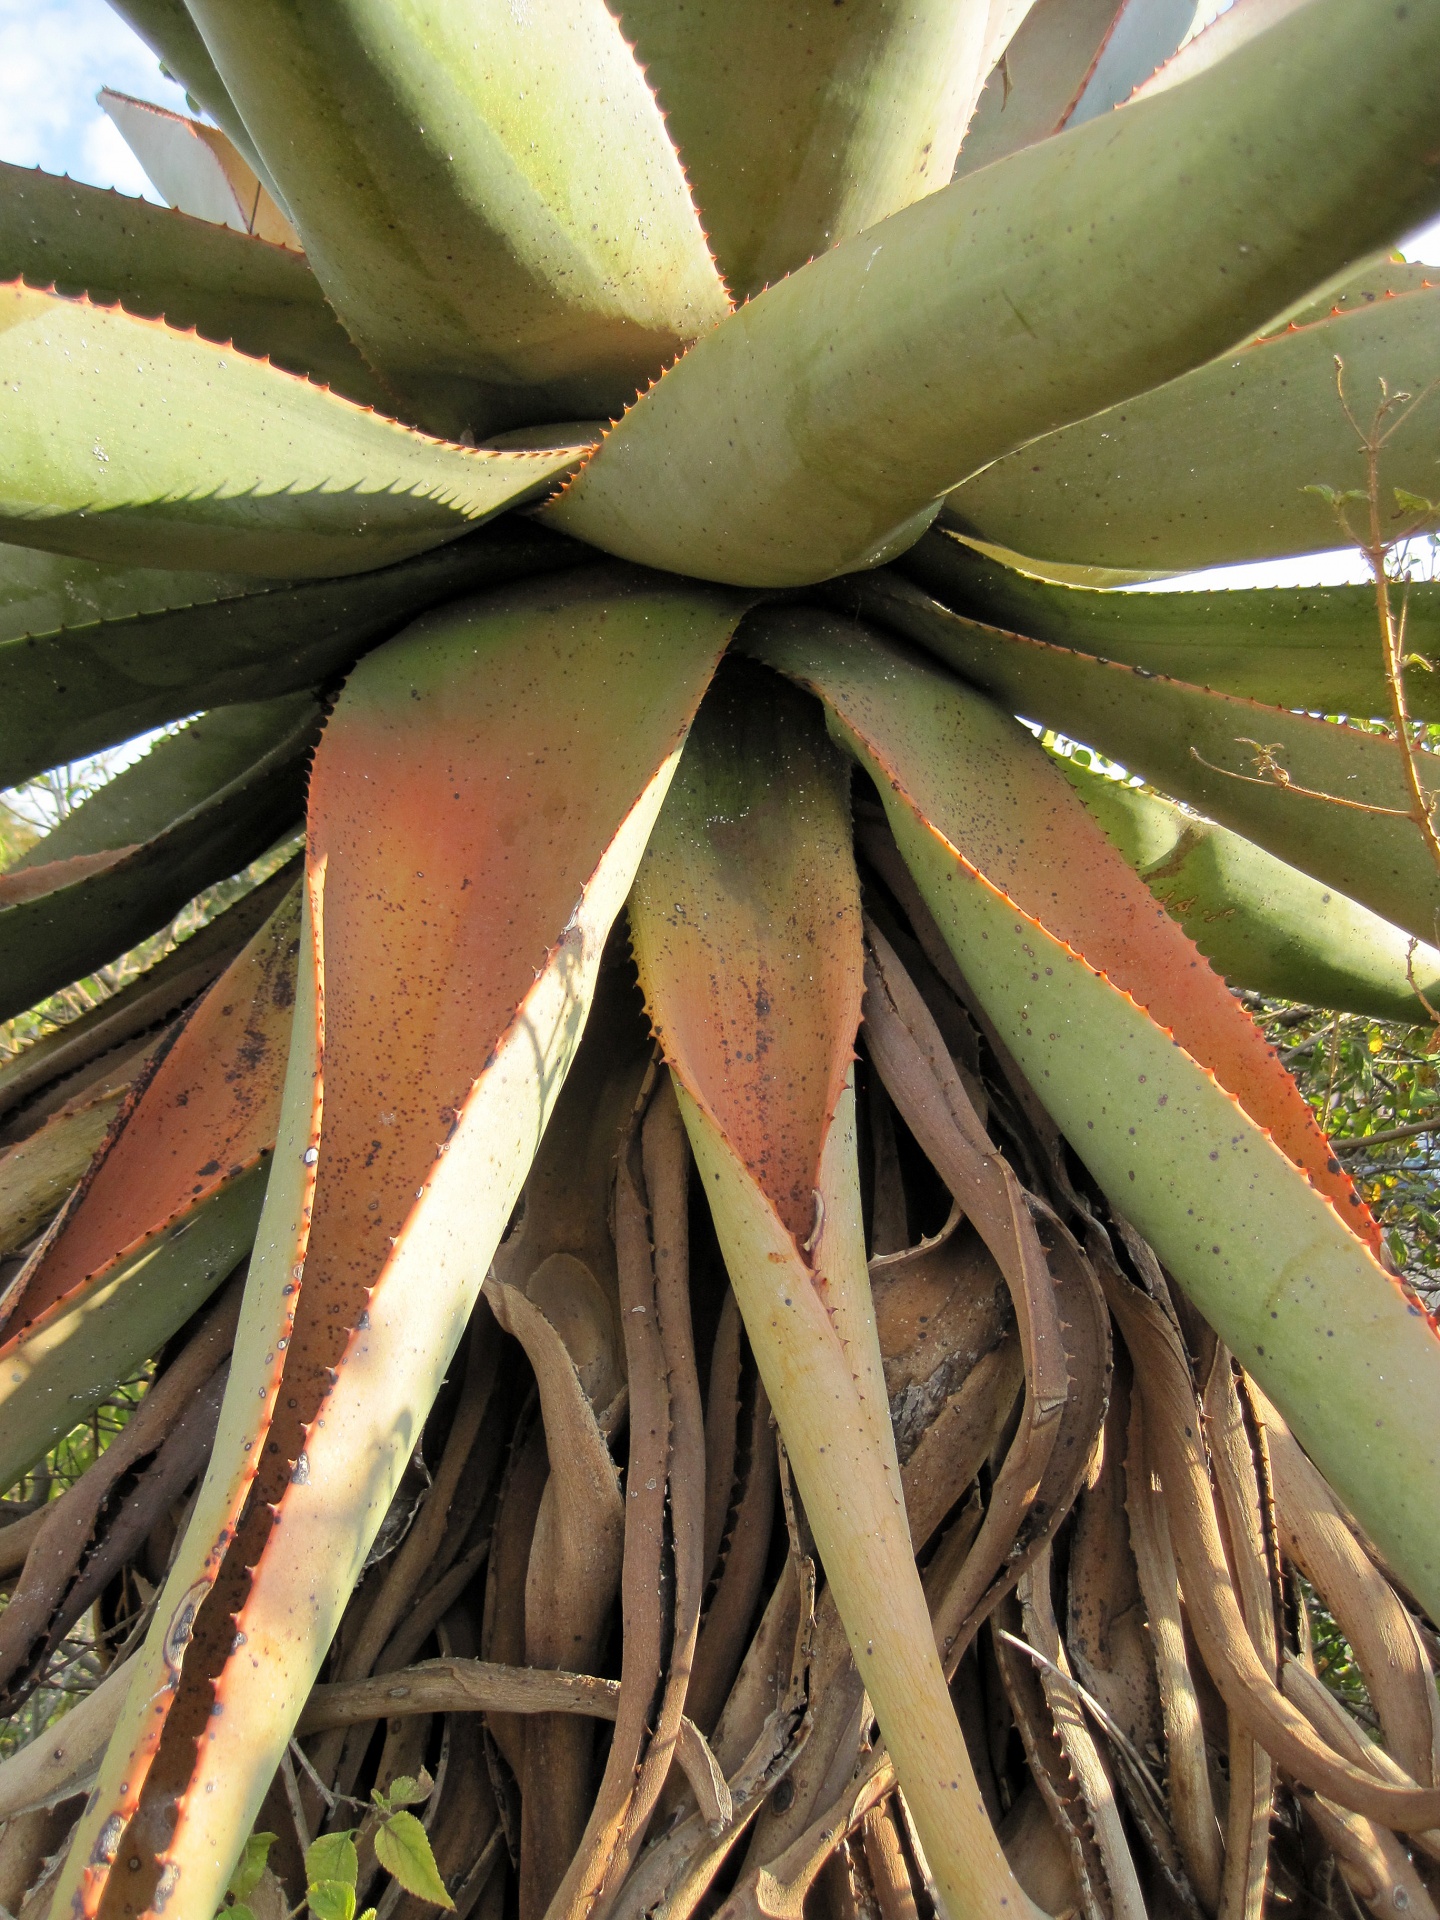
(200, 805)
(1263, 924)
(1214, 468)
(1070, 61)
(78, 1351)
(197, 168)
(816, 429)
(1225, 34)
(69, 690)
(1039, 86)
(746, 926)
(191, 273)
(148, 1000)
(41, 592)
(128, 441)
(166, 1209)
(1000, 797)
(1311, 647)
(1201, 747)
(489, 196)
(480, 800)
(841, 120)
(167, 28)
(1267, 1258)
(1144, 35)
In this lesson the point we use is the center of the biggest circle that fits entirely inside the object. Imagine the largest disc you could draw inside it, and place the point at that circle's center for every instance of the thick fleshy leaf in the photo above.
(75, 690)
(128, 441)
(800, 126)
(992, 791)
(1037, 88)
(1067, 64)
(201, 804)
(746, 925)
(1351, 1359)
(198, 169)
(40, 592)
(165, 265)
(167, 29)
(1143, 37)
(1311, 647)
(479, 802)
(167, 1208)
(1202, 748)
(44, 1068)
(1223, 36)
(489, 197)
(1262, 924)
(815, 430)
(1213, 468)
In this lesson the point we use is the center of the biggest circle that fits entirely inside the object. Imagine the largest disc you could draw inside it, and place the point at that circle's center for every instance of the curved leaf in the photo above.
(167, 29)
(982, 781)
(815, 429)
(164, 265)
(746, 926)
(1262, 924)
(479, 802)
(197, 169)
(150, 999)
(40, 592)
(488, 197)
(1035, 91)
(200, 805)
(825, 120)
(128, 441)
(1144, 35)
(1311, 647)
(1213, 467)
(1342, 1349)
(1224, 35)
(167, 1208)
(73, 690)
(1157, 727)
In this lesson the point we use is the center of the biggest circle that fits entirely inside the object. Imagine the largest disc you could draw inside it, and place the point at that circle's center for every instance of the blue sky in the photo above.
(56, 54)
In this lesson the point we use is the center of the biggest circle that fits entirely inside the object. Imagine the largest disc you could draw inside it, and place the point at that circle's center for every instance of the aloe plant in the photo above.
(925, 1334)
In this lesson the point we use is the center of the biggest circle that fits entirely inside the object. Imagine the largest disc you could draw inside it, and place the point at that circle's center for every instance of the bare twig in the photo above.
(1363, 1141)
(1276, 776)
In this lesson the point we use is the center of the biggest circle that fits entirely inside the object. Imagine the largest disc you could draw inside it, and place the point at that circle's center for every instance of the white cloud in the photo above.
(54, 57)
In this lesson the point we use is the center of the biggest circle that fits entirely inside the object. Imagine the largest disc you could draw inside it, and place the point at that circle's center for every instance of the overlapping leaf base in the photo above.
(711, 1303)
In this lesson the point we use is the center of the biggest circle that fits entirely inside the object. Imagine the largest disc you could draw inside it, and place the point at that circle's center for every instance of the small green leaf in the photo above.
(251, 1864)
(406, 1790)
(1414, 502)
(331, 1899)
(239, 1911)
(402, 1847)
(332, 1857)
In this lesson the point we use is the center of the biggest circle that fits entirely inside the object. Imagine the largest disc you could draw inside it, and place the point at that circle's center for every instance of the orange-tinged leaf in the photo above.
(479, 802)
(987, 785)
(746, 923)
(166, 1207)
(763, 1013)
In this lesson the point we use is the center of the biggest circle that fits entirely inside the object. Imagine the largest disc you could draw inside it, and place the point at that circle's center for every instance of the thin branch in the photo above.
(1287, 785)
(1410, 1131)
(1377, 549)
